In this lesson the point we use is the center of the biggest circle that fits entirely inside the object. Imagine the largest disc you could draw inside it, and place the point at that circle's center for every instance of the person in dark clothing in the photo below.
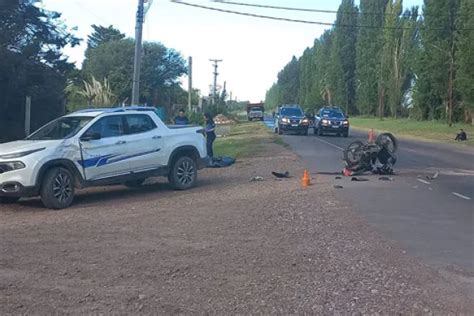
(461, 135)
(210, 134)
(181, 119)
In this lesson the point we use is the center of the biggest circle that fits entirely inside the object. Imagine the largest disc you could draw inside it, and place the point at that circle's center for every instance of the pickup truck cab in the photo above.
(99, 147)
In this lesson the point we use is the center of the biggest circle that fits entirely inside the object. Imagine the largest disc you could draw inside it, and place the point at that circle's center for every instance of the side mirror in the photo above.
(90, 136)
(347, 116)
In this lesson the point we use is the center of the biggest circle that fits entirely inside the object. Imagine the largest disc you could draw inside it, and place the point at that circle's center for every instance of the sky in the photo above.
(253, 50)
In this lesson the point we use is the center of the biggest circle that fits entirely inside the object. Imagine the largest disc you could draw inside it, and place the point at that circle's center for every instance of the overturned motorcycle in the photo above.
(378, 157)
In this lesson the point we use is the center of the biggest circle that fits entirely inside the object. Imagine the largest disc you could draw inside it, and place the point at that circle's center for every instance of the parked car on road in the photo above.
(331, 120)
(291, 118)
(99, 147)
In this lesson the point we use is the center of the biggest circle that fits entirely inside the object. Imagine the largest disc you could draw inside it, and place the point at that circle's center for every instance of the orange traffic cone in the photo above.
(371, 136)
(306, 180)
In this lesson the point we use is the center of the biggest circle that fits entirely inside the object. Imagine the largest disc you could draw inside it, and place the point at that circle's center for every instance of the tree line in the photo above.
(380, 59)
(32, 64)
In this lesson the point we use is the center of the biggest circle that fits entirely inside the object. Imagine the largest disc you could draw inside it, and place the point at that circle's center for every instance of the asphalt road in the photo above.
(432, 218)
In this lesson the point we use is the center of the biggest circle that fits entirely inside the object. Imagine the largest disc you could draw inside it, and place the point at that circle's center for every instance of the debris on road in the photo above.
(256, 178)
(385, 179)
(338, 186)
(359, 179)
(338, 178)
(435, 176)
(286, 174)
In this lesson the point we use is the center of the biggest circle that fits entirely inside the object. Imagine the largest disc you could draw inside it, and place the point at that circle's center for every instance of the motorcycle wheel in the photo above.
(388, 141)
(353, 153)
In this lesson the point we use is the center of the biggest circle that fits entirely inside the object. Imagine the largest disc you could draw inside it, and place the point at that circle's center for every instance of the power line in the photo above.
(284, 8)
(305, 9)
(268, 17)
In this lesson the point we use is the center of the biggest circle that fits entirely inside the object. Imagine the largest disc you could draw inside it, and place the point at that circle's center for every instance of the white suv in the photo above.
(99, 147)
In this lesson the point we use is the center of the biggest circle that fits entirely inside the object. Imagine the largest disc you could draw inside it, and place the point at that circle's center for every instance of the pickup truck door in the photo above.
(146, 141)
(104, 157)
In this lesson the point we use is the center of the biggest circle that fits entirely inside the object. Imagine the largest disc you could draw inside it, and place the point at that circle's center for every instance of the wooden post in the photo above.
(28, 116)
(190, 83)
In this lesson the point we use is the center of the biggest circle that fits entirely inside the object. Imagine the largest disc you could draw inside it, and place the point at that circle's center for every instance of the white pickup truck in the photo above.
(99, 147)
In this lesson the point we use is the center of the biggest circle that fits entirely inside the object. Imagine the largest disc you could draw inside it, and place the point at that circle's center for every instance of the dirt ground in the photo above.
(229, 246)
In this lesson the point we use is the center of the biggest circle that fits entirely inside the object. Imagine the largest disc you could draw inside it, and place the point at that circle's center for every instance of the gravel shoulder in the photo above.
(229, 246)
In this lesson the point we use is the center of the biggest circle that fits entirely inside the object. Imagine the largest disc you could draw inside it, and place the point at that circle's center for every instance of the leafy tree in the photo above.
(102, 35)
(465, 60)
(31, 63)
(368, 50)
(344, 55)
(289, 82)
(434, 90)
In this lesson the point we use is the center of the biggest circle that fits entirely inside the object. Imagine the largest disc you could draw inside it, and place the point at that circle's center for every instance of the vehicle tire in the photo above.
(353, 153)
(134, 183)
(315, 131)
(305, 133)
(276, 130)
(388, 141)
(57, 189)
(183, 173)
(8, 199)
(280, 132)
(346, 134)
(319, 132)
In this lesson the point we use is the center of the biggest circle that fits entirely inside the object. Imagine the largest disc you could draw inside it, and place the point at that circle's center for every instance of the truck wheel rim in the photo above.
(62, 188)
(185, 173)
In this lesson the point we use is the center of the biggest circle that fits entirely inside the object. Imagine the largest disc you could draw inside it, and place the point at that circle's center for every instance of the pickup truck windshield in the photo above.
(61, 128)
(291, 112)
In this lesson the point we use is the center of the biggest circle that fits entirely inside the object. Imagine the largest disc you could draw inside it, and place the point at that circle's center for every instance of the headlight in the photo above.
(285, 120)
(10, 166)
(345, 122)
(21, 154)
(305, 121)
(325, 121)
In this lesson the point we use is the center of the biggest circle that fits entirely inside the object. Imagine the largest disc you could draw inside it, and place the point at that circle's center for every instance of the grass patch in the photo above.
(427, 130)
(246, 139)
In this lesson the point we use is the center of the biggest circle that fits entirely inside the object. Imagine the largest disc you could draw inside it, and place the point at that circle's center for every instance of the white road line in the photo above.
(461, 196)
(423, 181)
(330, 144)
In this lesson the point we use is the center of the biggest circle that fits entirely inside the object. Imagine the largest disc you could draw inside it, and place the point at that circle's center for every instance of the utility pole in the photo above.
(190, 82)
(214, 87)
(138, 52)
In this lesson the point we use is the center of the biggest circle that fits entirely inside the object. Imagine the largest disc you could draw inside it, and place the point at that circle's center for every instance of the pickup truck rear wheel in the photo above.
(57, 190)
(183, 173)
(8, 199)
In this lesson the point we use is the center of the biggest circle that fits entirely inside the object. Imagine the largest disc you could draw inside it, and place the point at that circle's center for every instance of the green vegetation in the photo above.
(245, 140)
(381, 59)
(31, 64)
(433, 131)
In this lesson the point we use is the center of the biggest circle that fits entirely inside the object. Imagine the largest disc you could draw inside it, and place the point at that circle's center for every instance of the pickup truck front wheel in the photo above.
(57, 190)
(183, 173)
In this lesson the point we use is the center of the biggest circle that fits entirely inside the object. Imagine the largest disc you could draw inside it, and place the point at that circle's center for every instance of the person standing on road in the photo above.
(181, 119)
(210, 134)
